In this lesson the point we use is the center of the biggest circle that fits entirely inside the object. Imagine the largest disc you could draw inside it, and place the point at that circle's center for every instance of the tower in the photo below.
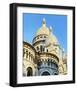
(43, 42)
(29, 65)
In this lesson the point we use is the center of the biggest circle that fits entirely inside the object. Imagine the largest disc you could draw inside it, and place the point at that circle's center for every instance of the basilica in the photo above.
(44, 56)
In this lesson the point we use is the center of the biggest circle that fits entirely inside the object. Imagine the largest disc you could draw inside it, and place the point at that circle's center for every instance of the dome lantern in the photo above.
(44, 22)
(43, 29)
(50, 28)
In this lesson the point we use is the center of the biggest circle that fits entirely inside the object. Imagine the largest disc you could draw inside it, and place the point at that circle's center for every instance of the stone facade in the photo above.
(45, 56)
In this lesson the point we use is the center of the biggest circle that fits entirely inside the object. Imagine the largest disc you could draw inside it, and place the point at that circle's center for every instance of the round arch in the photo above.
(29, 71)
(45, 73)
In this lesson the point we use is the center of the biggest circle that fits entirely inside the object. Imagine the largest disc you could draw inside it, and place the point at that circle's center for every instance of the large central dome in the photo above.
(43, 29)
(47, 31)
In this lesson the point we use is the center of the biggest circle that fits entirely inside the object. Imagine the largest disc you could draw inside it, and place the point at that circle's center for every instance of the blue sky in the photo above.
(32, 22)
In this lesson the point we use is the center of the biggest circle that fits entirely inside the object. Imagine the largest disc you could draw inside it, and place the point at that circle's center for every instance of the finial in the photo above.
(50, 28)
(44, 21)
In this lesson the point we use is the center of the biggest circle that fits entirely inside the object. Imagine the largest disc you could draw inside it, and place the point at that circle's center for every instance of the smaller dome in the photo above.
(43, 29)
(51, 40)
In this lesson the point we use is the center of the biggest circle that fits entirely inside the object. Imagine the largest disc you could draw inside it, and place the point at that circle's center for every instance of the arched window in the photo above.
(55, 73)
(37, 48)
(40, 36)
(43, 41)
(44, 36)
(49, 62)
(47, 50)
(29, 55)
(45, 73)
(39, 63)
(26, 53)
(29, 71)
(42, 48)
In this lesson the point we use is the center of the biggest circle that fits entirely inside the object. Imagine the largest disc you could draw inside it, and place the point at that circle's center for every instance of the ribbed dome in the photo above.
(51, 40)
(48, 31)
(43, 29)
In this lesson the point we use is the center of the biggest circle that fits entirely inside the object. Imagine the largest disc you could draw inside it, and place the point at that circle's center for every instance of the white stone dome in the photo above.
(48, 31)
(51, 40)
(43, 29)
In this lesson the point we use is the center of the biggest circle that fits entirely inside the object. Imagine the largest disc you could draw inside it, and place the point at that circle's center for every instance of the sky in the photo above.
(32, 22)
